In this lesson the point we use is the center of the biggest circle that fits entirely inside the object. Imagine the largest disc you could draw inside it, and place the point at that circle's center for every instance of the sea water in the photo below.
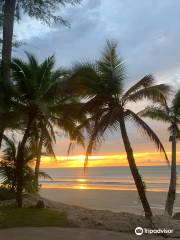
(156, 178)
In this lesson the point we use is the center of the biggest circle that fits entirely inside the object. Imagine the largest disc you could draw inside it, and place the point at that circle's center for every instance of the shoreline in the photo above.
(103, 189)
(112, 200)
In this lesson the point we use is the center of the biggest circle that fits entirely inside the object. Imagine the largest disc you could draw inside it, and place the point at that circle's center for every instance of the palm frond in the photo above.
(45, 175)
(111, 68)
(148, 132)
(156, 93)
(102, 123)
(145, 82)
(156, 113)
(83, 78)
(176, 104)
(9, 152)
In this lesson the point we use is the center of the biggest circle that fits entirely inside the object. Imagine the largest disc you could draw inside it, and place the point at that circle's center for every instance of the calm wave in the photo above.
(156, 178)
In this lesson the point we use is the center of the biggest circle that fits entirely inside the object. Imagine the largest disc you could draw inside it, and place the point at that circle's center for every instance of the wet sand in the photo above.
(117, 201)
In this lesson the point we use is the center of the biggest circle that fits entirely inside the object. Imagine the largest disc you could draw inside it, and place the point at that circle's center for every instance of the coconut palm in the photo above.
(170, 115)
(43, 102)
(107, 100)
(8, 166)
(9, 112)
(37, 86)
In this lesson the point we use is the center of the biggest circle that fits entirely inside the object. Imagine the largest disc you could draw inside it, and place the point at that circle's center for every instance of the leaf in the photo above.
(148, 132)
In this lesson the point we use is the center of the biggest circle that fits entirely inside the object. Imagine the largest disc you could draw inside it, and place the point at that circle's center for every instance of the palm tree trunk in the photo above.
(38, 161)
(134, 170)
(20, 165)
(1, 135)
(172, 186)
(8, 25)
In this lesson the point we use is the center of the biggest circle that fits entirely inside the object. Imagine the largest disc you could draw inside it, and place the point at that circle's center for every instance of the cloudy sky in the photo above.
(149, 42)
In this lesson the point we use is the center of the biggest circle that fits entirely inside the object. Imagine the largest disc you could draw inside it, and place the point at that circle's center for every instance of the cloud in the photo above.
(147, 32)
(29, 28)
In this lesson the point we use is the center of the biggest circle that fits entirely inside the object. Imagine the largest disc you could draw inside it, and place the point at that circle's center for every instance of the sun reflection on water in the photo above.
(81, 180)
(81, 184)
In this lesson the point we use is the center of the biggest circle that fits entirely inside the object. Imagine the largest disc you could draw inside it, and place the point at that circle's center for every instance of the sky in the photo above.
(149, 42)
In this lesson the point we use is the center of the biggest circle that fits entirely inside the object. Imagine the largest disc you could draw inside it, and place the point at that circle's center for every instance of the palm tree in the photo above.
(8, 166)
(44, 101)
(37, 86)
(106, 102)
(170, 115)
(9, 112)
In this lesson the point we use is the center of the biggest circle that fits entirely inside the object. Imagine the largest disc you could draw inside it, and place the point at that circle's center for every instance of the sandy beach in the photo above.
(88, 212)
(116, 201)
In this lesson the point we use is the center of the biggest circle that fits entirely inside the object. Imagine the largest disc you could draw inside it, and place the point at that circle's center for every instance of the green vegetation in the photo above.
(6, 194)
(30, 217)
(8, 168)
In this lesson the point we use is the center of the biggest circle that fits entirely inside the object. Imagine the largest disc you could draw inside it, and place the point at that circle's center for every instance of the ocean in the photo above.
(156, 178)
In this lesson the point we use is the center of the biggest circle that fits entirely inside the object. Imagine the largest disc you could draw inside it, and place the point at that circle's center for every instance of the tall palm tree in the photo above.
(44, 102)
(106, 102)
(37, 86)
(170, 115)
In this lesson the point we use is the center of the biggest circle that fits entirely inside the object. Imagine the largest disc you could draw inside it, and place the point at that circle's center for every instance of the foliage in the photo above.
(107, 105)
(42, 101)
(43, 95)
(8, 169)
(46, 11)
(167, 114)
(107, 99)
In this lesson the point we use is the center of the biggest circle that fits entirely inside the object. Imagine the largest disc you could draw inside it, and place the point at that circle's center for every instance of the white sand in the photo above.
(117, 201)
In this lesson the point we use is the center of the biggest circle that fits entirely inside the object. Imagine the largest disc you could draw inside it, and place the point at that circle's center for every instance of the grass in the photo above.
(30, 217)
(5, 194)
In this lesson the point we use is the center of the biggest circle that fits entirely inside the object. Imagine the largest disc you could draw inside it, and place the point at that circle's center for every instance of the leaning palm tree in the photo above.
(106, 103)
(170, 115)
